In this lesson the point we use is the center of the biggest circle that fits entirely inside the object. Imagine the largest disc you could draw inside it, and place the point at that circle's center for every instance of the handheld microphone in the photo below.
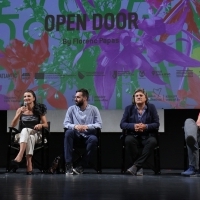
(21, 118)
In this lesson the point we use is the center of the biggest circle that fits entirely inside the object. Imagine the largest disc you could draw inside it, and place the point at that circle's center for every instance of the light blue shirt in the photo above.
(90, 117)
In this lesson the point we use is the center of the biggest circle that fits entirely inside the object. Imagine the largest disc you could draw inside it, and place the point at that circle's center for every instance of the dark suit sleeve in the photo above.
(154, 123)
(124, 124)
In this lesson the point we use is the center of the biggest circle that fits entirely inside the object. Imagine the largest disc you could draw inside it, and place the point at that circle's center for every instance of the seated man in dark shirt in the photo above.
(141, 121)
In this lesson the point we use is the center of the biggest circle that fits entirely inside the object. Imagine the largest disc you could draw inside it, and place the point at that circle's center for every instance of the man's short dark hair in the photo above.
(84, 92)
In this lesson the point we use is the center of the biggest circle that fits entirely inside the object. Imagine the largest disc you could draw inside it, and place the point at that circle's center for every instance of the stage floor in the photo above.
(91, 186)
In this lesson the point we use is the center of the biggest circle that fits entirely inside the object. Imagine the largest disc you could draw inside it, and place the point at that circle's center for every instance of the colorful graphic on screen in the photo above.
(110, 48)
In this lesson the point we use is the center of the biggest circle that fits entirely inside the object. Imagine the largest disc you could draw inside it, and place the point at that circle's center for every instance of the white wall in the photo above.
(111, 119)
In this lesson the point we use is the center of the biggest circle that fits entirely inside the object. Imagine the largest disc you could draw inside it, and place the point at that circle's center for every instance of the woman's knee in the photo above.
(24, 132)
(24, 135)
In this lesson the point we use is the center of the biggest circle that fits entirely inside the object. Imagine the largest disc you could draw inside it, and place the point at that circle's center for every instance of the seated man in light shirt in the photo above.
(81, 120)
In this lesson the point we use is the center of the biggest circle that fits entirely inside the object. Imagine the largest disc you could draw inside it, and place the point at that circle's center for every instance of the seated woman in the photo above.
(33, 118)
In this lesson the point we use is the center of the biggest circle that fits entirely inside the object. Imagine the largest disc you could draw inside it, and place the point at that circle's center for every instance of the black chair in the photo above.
(39, 161)
(155, 167)
(79, 150)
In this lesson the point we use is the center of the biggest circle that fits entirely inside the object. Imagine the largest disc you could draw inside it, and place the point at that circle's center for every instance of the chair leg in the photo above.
(8, 160)
(42, 161)
(157, 160)
(123, 160)
(47, 157)
(99, 171)
(8, 153)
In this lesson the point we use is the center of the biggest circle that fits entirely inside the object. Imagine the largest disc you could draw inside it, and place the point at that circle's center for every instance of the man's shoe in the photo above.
(139, 172)
(132, 170)
(197, 173)
(189, 171)
(69, 169)
(78, 170)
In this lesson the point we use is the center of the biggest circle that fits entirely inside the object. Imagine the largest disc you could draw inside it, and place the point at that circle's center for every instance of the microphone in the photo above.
(21, 118)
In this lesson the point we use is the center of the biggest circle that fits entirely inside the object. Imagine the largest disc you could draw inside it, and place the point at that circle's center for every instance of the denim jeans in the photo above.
(90, 141)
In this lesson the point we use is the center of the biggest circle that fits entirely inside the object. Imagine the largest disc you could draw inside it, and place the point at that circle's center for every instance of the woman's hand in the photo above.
(17, 116)
(38, 127)
(23, 109)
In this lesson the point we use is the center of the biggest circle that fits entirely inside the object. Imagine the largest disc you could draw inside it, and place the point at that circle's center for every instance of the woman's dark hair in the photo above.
(84, 92)
(142, 91)
(38, 108)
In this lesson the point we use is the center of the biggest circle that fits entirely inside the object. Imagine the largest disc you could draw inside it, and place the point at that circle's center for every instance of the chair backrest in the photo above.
(49, 123)
(98, 133)
(45, 133)
(48, 128)
(20, 125)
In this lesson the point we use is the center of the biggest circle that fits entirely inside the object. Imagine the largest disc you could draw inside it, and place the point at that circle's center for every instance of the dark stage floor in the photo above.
(91, 186)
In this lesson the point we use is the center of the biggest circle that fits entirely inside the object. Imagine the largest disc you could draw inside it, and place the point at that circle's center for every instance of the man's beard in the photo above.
(79, 104)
